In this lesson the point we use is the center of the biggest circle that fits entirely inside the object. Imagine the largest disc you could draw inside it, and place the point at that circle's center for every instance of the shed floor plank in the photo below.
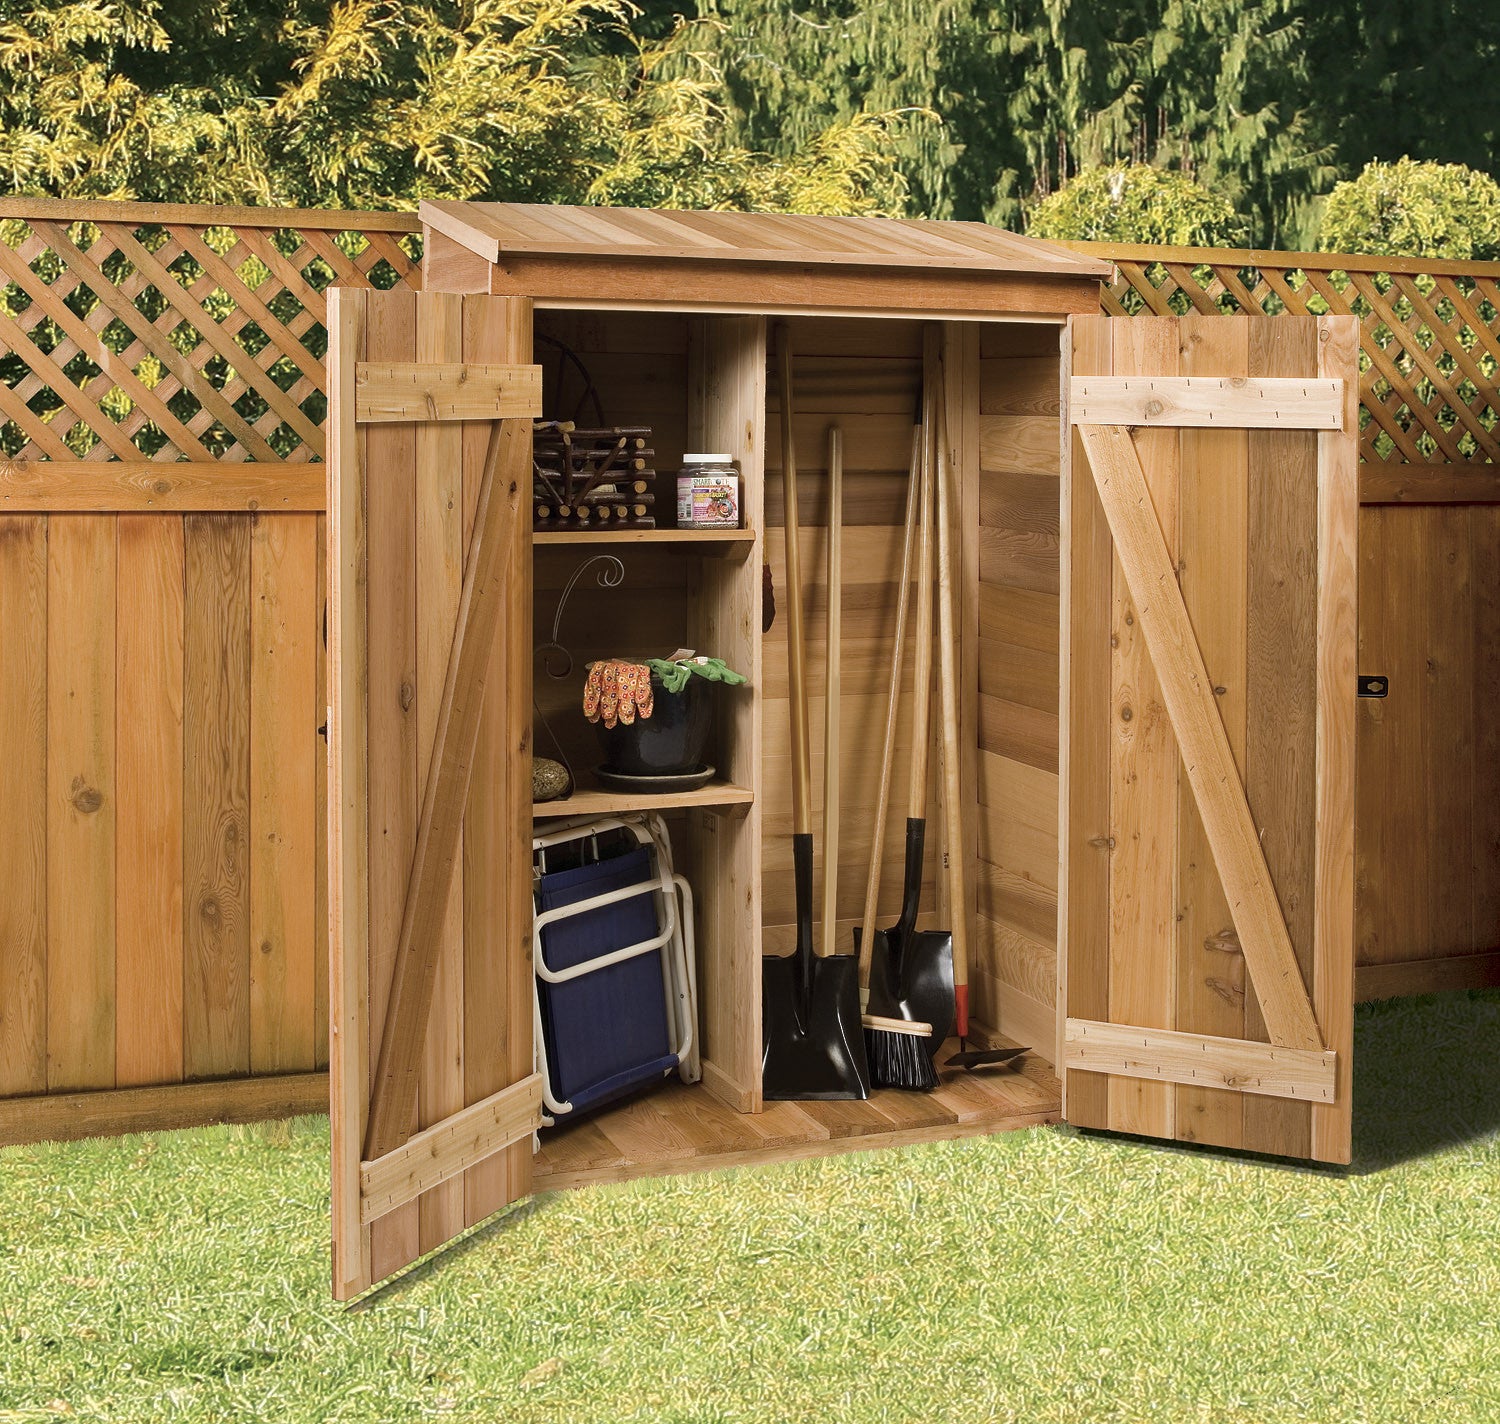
(965, 1105)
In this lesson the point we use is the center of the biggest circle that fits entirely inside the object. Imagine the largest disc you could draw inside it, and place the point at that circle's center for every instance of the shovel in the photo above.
(911, 970)
(812, 1043)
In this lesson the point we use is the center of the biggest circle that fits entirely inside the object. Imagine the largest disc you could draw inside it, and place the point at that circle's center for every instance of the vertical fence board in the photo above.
(81, 802)
(320, 832)
(283, 771)
(216, 798)
(149, 856)
(23, 797)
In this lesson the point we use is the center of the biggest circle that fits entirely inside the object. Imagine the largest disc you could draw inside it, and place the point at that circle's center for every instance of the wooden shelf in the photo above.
(704, 541)
(590, 800)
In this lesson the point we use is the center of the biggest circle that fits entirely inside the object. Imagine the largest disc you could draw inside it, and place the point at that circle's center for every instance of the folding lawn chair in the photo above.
(612, 947)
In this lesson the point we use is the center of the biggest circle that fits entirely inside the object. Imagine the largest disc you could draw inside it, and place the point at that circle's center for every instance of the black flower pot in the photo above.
(667, 743)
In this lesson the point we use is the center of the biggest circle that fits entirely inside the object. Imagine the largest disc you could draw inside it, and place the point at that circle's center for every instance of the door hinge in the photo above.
(1374, 686)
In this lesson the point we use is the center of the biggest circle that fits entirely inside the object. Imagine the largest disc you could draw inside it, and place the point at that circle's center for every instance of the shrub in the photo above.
(1412, 209)
(1137, 202)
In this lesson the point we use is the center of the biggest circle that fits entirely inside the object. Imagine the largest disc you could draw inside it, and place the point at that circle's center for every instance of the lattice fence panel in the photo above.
(1430, 339)
(189, 334)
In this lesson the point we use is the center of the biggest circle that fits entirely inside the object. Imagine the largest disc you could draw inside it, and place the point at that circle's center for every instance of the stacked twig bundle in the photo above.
(592, 479)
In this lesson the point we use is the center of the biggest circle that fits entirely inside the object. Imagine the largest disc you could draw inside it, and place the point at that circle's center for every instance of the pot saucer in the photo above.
(655, 785)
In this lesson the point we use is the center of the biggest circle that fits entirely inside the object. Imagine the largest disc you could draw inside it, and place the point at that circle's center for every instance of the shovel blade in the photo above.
(812, 1050)
(911, 977)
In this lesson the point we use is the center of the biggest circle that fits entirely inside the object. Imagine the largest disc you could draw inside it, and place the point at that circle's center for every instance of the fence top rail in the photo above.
(205, 215)
(1285, 261)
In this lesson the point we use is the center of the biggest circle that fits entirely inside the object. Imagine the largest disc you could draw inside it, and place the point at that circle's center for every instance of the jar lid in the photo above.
(708, 459)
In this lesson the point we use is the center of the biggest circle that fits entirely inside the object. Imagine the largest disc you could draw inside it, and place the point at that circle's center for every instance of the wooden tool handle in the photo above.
(831, 687)
(921, 721)
(796, 666)
(892, 715)
(955, 846)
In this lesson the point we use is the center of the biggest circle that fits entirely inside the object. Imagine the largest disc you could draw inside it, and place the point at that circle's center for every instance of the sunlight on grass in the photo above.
(1039, 1276)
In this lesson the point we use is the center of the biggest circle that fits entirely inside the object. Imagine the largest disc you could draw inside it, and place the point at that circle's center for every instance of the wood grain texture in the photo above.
(1086, 617)
(1143, 789)
(81, 802)
(440, 563)
(1212, 402)
(1213, 504)
(391, 622)
(283, 775)
(23, 792)
(1281, 667)
(216, 797)
(66, 1117)
(149, 821)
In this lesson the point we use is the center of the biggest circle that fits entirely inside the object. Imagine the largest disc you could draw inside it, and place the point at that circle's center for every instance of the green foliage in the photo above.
(380, 103)
(1411, 209)
(1137, 203)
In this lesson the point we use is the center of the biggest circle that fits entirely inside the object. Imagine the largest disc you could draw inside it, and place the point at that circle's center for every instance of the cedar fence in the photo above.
(163, 397)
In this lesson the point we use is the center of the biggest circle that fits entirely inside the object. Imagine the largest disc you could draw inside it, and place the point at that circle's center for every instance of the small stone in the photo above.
(549, 779)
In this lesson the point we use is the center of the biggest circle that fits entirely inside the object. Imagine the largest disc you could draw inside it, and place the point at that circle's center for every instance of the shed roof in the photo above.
(493, 229)
(653, 259)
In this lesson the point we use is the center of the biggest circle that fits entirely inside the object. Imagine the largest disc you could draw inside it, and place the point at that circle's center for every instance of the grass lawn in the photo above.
(1039, 1276)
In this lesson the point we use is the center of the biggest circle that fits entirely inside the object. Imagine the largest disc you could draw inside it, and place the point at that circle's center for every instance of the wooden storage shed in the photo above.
(1156, 528)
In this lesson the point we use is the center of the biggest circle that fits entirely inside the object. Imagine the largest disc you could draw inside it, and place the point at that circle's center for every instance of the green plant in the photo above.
(1136, 203)
(1414, 209)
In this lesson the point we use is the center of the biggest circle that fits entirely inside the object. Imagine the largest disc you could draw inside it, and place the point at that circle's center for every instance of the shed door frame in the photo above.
(1130, 388)
(434, 1095)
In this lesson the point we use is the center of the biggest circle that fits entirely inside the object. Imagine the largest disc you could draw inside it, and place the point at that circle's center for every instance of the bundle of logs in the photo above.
(592, 479)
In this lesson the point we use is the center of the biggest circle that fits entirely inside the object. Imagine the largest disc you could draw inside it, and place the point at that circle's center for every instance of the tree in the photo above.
(1411, 209)
(380, 103)
(1137, 203)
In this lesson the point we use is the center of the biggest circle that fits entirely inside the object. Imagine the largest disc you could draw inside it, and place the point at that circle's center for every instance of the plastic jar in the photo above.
(708, 493)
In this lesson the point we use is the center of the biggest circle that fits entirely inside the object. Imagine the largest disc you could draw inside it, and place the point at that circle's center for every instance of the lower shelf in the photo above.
(683, 1129)
(592, 800)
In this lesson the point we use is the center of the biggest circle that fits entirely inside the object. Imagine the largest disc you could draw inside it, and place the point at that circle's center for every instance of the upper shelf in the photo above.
(707, 541)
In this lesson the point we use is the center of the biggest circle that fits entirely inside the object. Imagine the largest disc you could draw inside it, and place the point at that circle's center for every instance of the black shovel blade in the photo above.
(911, 977)
(813, 1050)
(984, 1057)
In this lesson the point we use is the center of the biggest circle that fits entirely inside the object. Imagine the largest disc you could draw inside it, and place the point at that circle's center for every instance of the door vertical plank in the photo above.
(348, 795)
(81, 792)
(1143, 789)
(1084, 875)
(148, 827)
(1212, 571)
(394, 790)
(216, 797)
(440, 560)
(497, 989)
(322, 749)
(1281, 666)
(1338, 605)
(1485, 543)
(283, 769)
(23, 794)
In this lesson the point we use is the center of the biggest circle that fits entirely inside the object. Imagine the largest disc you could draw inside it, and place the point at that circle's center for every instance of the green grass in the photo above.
(1039, 1276)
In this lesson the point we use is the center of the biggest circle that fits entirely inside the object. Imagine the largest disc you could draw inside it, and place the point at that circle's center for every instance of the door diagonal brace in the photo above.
(1270, 959)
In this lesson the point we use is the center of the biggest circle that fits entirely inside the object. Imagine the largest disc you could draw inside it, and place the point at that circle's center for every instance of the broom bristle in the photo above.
(900, 1060)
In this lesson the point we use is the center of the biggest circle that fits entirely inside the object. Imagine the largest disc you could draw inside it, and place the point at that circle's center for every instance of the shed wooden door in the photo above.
(1207, 919)
(434, 1097)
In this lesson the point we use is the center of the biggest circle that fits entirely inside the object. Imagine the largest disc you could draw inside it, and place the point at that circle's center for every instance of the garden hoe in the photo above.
(812, 1043)
(910, 1001)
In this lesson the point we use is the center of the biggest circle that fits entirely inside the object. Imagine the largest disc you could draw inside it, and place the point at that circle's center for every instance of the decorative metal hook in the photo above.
(557, 661)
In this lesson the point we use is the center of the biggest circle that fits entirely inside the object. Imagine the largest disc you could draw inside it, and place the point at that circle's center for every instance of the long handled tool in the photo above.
(954, 848)
(812, 1046)
(832, 685)
(911, 970)
(900, 1049)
